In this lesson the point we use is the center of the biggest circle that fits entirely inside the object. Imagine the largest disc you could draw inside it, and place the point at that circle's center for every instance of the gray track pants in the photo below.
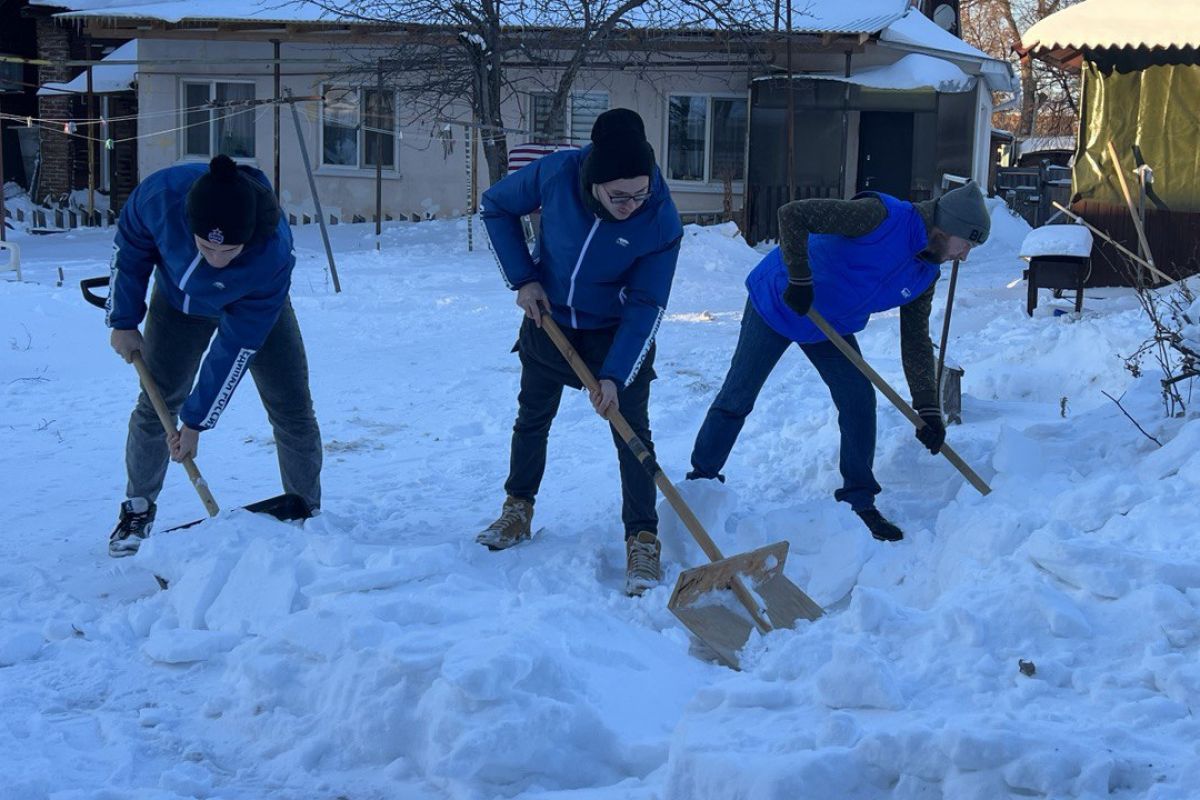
(174, 344)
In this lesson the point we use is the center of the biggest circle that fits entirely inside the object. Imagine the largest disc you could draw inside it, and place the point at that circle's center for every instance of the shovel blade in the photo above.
(704, 601)
(283, 507)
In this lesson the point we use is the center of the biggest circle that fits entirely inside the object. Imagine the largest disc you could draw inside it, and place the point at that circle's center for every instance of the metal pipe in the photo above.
(275, 42)
(312, 185)
(91, 150)
(379, 163)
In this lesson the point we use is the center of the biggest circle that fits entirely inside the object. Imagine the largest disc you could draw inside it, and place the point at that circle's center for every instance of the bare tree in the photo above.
(1049, 94)
(458, 52)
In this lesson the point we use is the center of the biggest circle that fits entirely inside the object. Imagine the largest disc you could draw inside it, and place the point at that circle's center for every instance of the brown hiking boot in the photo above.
(513, 526)
(642, 562)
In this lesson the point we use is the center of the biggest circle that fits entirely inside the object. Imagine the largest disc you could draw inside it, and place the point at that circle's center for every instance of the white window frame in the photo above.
(708, 181)
(569, 118)
(362, 167)
(212, 123)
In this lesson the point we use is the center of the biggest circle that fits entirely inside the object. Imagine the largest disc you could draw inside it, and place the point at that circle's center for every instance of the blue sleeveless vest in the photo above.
(852, 278)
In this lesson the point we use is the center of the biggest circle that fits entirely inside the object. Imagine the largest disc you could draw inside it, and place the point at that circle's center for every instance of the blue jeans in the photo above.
(759, 349)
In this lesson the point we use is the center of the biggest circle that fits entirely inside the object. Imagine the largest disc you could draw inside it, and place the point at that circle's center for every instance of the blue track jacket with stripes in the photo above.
(597, 274)
(153, 236)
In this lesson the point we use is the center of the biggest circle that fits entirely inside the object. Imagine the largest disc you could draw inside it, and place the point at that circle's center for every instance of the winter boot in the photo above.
(137, 517)
(879, 526)
(642, 563)
(513, 526)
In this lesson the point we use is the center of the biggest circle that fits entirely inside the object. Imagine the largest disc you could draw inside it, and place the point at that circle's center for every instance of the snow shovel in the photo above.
(707, 599)
(890, 393)
(283, 507)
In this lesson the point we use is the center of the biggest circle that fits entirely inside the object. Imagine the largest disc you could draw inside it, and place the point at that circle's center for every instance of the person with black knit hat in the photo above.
(221, 252)
(605, 259)
(847, 259)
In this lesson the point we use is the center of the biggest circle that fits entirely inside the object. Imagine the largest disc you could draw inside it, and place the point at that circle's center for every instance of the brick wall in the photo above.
(54, 44)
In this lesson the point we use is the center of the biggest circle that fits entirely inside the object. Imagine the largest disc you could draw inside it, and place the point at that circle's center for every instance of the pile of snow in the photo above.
(1037, 642)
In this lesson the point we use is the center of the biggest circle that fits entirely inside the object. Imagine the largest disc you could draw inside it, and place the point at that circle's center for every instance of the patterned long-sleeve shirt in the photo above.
(854, 218)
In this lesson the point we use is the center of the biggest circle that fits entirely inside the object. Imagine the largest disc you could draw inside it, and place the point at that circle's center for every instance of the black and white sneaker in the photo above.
(137, 517)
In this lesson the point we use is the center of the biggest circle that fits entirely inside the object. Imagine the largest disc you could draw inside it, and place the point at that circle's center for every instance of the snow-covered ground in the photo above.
(377, 652)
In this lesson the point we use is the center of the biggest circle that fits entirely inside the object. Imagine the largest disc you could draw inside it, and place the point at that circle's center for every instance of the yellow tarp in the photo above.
(1158, 109)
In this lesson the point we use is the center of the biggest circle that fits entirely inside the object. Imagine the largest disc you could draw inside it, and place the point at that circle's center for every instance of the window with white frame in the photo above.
(706, 138)
(358, 128)
(582, 111)
(217, 119)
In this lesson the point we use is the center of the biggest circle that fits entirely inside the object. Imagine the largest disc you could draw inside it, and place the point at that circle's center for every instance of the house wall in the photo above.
(431, 174)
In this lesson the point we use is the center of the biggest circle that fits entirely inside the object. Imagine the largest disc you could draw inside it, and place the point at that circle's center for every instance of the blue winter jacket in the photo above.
(596, 274)
(852, 277)
(246, 297)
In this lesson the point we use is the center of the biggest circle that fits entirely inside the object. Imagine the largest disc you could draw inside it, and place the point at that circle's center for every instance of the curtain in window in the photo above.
(379, 124)
(728, 156)
(339, 127)
(197, 138)
(686, 126)
(235, 126)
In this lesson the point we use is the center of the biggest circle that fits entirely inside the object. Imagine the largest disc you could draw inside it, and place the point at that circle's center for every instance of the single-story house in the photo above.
(882, 98)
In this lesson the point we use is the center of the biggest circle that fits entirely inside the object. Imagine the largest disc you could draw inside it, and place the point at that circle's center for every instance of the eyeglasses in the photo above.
(620, 198)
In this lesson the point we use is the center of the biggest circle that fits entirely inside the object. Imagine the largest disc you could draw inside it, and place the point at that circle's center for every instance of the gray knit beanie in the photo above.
(962, 212)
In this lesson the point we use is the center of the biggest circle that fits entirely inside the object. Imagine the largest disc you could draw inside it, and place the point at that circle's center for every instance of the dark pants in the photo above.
(544, 373)
(173, 345)
(759, 349)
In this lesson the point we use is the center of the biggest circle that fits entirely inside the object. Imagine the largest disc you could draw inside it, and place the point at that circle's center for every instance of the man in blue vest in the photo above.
(847, 259)
(222, 256)
(607, 245)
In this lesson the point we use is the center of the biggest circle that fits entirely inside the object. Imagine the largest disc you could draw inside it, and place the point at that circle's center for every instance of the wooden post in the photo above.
(791, 112)
(91, 150)
(379, 165)
(845, 131)
(312, 185)
(275, 42)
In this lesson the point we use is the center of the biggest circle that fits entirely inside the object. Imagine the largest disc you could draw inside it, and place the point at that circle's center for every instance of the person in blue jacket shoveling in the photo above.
(222, 256)
(602, 268)
(847, 259)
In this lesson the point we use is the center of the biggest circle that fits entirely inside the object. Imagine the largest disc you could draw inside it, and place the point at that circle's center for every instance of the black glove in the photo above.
(799, 297)
(933, 433)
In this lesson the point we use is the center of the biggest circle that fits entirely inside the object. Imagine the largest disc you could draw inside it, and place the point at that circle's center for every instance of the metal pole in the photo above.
(791, 112)
(946, 329)
(379, 165)
(275, 42)
(3, 224)
(469, 153)
(312, 185)
(91, 151)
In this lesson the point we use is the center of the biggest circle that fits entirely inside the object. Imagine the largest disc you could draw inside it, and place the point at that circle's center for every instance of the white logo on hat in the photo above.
(216, 236)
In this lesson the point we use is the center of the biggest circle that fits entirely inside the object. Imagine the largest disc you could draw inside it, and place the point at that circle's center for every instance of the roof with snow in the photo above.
(1115, 24)
(913, 71)
(808, 16)
(106, 78)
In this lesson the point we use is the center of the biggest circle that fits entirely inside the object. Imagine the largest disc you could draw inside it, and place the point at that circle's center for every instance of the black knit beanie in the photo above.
(619, 148)
(226, 205)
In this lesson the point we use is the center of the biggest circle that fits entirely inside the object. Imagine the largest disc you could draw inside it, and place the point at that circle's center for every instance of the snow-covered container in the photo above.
(1060, 257)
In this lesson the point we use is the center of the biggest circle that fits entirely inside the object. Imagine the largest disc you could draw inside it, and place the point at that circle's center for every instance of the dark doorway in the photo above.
(885, 153)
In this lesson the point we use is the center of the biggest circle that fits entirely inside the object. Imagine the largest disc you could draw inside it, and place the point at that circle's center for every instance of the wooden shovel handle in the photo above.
(164, 416)
(621, 426)
(897, 401)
